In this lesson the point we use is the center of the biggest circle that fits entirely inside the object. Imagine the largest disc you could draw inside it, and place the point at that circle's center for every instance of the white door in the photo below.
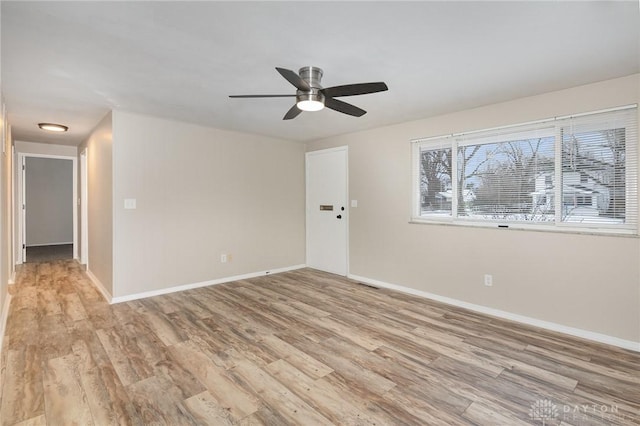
(327, 210)
(23, 211)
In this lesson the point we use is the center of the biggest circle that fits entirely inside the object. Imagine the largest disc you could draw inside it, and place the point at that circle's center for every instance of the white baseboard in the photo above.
(12, 278)
(4, 315)
(161, 291)
(99, 286)
(577, 332)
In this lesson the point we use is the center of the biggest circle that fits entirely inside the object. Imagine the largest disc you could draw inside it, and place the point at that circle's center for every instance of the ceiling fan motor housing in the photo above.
(311, 75)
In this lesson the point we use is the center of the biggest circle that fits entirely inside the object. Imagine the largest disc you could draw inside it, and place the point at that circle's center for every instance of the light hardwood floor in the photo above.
(303, 347)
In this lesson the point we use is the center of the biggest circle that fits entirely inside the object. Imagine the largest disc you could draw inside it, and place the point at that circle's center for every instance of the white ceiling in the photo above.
(71, 62)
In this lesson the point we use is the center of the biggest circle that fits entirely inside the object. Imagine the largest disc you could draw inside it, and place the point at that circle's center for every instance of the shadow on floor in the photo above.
(48, 253)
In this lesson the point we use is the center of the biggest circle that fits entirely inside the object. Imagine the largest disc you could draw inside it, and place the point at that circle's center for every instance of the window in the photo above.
(435, 181)
(571, 173)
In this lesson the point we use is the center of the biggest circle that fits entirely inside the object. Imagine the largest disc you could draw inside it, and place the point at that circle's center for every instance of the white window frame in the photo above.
(553, 127)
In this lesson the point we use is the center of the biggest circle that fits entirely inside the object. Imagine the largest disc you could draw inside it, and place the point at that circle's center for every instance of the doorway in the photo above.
(47, 224)
(326, 210)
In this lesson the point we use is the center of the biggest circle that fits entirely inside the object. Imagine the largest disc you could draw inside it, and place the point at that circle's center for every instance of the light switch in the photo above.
(130, 203)
(354, 203)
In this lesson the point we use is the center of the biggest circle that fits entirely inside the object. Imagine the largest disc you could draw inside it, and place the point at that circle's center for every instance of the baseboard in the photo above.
(4, 315)
(99, 286)
(50, 244)
(577, 332)
(168, 290)
(12, 278)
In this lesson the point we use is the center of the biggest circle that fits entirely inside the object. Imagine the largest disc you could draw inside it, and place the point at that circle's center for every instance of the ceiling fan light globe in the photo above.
(310, 105)
(312, 101)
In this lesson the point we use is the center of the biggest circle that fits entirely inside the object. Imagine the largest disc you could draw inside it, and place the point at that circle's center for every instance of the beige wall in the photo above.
(24, 147)
(100, 208)
(6, 214)
(201, 192)
(583, 281)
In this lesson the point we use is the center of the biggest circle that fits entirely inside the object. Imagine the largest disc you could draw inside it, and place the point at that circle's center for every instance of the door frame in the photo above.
(20, 256)
(84, 208)
(345, 149)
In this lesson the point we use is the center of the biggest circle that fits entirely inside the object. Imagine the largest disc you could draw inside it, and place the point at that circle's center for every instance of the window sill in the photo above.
(626, 233)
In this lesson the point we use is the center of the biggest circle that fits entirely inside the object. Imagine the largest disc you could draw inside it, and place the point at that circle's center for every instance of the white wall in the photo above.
(202, 192)
(49, 201)
(587, 282)
(99, 146)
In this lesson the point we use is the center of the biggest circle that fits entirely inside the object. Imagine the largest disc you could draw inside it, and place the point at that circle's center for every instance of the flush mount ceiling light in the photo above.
(310, 101)
(52, 127)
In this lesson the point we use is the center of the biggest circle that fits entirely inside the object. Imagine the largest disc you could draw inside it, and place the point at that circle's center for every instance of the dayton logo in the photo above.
(543, 410)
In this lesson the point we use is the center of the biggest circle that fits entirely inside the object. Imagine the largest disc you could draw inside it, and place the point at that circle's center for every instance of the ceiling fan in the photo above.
(311, 96)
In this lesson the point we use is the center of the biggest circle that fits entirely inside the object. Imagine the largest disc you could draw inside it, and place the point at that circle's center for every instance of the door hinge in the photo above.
(24, 246)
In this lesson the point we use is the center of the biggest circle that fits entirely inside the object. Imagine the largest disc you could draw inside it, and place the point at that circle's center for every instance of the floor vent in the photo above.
(367, 285)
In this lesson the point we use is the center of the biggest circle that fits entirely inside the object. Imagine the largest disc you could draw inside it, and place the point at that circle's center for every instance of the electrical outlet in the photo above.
(488, 280)
(223, 258)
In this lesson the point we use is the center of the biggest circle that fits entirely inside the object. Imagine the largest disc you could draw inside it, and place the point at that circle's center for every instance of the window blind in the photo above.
(599, 169)
(571, 172)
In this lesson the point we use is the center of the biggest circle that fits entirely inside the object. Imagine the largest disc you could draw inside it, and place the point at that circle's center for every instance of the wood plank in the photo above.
(481, 414)
(159, 402)
(277, 396)
(26, 298)
(72, 307)
(48, 302)
(19, 331)
(64, 398)
(106, 397)
(301, 360)
(125, 356)
(424, 408)
(22, 387)
(229, 394)
(357, 375)
(205, 410)
(321, 395)
(57, 343)
(34, 421)
(161, 325)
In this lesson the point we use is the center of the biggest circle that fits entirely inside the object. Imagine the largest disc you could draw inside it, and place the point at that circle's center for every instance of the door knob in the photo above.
(339, 216)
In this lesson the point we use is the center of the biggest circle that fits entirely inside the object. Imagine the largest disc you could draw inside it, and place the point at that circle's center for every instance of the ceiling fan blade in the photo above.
(354, 89)
(292, 113)
(262, 96)
(294, 79)
(344, 107)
